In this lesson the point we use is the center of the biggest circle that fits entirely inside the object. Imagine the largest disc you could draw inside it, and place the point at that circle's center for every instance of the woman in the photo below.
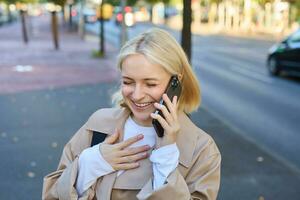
(133, 162)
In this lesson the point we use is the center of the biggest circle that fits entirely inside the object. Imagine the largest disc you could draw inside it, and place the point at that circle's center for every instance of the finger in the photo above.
(161, 120)
(175, 103)
(165, 112)
(112, 138)
(130, 141)
(132, 158)
(169, 104)
(126, 166)
(134, 150)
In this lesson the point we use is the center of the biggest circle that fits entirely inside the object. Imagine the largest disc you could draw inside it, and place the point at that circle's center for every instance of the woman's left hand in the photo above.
(170, 121)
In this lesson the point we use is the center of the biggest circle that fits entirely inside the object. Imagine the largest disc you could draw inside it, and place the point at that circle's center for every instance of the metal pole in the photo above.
(101, 39)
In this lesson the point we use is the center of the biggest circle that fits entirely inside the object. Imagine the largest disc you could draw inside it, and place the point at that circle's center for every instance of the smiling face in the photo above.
(143, 84)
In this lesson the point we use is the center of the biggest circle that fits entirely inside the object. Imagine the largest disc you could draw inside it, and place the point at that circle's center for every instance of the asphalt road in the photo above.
(238, 89)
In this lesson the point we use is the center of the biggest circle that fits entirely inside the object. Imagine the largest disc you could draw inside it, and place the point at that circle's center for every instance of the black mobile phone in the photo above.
(173, 89)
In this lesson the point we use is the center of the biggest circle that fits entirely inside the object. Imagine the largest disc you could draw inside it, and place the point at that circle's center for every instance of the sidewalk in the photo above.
(42, 109)
(70, 65)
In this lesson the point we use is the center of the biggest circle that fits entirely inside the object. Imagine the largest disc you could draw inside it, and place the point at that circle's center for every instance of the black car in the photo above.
(285, 56)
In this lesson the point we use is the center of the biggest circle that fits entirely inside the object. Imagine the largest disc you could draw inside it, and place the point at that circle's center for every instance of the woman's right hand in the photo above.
(119, 156)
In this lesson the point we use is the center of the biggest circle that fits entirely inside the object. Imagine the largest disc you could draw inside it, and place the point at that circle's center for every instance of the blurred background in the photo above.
(58, 66)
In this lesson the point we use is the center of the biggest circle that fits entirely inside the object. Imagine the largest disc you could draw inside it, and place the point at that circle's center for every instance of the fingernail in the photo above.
(140, 136)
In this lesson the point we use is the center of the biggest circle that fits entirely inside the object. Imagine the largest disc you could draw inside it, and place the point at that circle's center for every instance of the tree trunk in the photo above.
(63, 17)
(10, 19)
(81, 24)
(70, 17)
(165, 13)
(151, 13)
(212, 14)
(186, 35)
(123, 34)
(54, 29)
(24, 28)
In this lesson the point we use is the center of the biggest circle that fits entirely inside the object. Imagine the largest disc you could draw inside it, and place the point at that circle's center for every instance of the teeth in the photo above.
(142, 104)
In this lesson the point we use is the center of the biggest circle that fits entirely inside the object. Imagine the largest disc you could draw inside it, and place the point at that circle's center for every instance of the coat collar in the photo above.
(107, 120)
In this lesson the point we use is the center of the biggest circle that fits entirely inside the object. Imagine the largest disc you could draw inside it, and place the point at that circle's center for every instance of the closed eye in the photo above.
(127, 82)
(151, 85)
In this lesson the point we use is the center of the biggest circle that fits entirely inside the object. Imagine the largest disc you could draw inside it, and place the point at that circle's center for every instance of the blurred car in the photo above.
(285, 56)
(129, 17)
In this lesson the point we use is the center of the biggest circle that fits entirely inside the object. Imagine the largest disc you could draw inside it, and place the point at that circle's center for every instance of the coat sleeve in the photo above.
(61, 183)
(201, 182)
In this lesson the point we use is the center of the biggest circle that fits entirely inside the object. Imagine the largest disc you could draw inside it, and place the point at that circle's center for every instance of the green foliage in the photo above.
(9, 1)
(97, 54)
(20, 1)
(118, 3)
(153, 1)
(59, 2)
(262, 2)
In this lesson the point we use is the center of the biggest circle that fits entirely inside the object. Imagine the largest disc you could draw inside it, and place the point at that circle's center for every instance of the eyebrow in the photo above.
(146, 79)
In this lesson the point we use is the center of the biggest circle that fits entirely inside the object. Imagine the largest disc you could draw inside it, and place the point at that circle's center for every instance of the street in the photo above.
(251, 116)
(237, 88)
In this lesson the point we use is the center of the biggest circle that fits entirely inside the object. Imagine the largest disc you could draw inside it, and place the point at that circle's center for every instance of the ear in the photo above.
(179, 77)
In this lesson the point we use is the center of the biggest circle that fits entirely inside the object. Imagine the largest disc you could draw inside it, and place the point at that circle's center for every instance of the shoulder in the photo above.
(106, 114)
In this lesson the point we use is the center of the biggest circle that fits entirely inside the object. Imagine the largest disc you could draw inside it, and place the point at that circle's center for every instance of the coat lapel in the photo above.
(107, 120)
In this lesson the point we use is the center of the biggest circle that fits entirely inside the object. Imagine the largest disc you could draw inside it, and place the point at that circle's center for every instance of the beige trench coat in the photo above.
(196, 177)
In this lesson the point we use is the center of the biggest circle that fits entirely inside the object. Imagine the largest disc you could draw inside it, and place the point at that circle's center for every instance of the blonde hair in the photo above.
(159, 47)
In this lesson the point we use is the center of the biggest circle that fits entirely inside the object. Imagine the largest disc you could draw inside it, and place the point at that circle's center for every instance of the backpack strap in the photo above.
(97, 138)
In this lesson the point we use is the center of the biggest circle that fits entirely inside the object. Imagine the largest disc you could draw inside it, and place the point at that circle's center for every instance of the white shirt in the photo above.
(92, 165)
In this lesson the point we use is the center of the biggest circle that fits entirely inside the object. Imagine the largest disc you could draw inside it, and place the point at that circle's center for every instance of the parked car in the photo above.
(285, 56)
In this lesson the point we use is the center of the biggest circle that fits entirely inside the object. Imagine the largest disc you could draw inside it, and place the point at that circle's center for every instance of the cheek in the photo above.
(126, 91)
(157, 94)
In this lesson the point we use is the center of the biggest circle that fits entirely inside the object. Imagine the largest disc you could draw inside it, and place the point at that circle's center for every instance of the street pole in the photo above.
(101, 39)
(123, 31)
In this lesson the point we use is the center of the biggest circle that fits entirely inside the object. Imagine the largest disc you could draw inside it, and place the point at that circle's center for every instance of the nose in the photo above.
(137, 93)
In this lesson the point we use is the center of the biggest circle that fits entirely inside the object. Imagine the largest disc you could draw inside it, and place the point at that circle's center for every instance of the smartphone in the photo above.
(173, 89)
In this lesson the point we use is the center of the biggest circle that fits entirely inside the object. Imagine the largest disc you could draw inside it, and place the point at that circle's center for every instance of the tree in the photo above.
(8, 2)
(54, 24)
(166, 4)
(118, 2)
(296, 5)
(186, 35)
(23, 13)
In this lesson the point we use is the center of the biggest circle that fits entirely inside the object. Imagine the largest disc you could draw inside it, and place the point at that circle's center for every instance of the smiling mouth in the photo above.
(142, 105)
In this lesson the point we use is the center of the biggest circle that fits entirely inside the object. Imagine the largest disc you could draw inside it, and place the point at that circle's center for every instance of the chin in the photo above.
(142, 118)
